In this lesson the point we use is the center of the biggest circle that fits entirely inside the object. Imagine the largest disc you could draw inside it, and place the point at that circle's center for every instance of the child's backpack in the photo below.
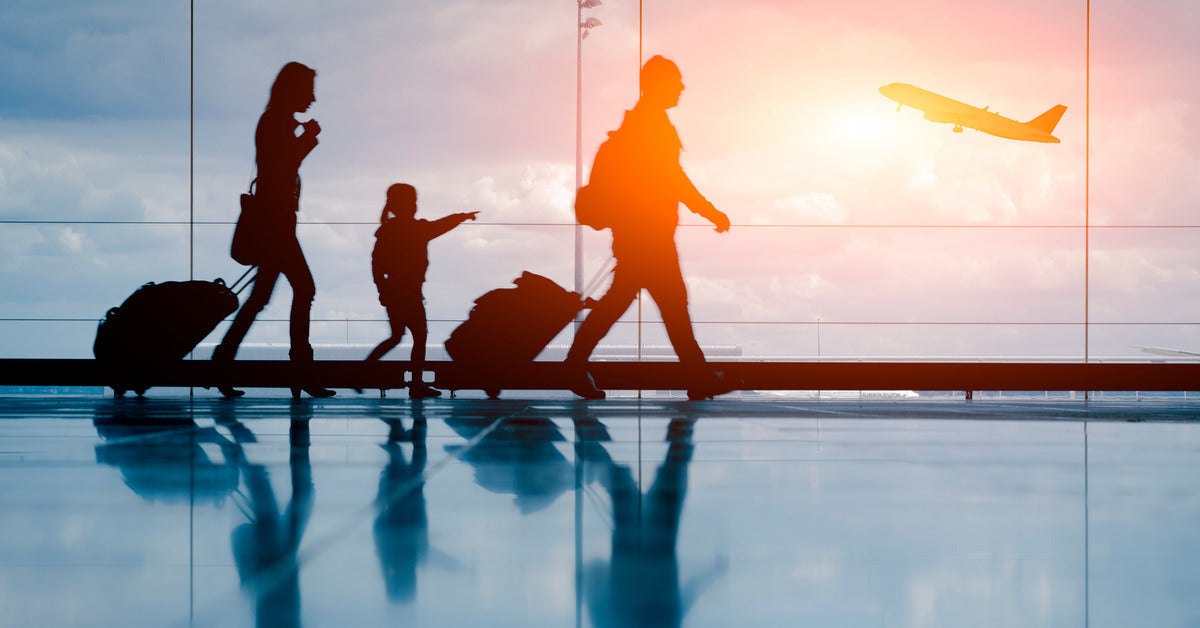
(386, 239)
(396, 254)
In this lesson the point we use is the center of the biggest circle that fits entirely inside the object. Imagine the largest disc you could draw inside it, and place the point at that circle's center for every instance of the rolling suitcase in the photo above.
(510, 326)
(159, 323)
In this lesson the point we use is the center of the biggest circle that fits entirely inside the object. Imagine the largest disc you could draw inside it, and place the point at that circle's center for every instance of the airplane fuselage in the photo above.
(939, 108)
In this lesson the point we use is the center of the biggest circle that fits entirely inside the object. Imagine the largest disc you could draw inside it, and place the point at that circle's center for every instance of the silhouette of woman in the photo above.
(278, 153)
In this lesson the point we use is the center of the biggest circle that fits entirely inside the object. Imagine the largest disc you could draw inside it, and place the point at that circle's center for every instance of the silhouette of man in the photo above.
(398, 264)
(644, 232)
(278, 154)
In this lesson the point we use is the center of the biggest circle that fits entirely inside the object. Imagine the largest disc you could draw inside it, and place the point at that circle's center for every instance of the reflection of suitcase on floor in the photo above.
(510, 326)
(159, 323)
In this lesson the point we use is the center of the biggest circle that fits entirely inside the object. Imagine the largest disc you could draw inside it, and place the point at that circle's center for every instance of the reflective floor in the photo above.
(384, 512)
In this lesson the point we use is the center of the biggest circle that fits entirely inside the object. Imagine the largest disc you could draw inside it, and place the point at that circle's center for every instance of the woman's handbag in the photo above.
(250, 233)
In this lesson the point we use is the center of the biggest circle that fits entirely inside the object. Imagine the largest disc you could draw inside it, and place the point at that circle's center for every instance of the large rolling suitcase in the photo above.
(509, 327)
(159, 323)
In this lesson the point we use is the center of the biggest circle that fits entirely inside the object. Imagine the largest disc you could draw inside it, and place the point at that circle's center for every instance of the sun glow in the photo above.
(859, 126)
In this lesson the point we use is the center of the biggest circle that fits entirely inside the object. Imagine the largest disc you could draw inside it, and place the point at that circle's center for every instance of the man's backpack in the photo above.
(599, 203)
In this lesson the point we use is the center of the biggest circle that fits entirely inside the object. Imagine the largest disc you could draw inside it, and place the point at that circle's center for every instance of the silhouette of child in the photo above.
(398, 264)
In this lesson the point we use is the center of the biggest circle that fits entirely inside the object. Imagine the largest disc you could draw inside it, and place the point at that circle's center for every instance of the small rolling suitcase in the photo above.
(510, 326)
(159, 323)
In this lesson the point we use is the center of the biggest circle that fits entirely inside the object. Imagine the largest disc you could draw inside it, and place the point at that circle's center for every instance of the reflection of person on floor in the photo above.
(644, 235)
(402, 525)
(265, 548)
(278, 153)
(518, 457)
(641, 585)
(161, 454)
(398, 264)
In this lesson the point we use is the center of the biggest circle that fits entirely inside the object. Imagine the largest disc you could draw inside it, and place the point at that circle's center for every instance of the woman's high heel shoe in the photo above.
(313, 391)
(225, 355)
(304, 371)
(229, 392)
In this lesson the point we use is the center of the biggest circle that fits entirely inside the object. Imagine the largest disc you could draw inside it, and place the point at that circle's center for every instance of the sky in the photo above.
(899, 237)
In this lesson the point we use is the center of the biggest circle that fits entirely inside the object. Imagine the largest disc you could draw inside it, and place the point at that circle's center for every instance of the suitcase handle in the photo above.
(594, 283)
(234, 287)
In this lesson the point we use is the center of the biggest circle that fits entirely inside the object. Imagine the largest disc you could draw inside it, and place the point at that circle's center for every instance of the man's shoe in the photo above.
(585, 386)
(421, 390)
(712, 385)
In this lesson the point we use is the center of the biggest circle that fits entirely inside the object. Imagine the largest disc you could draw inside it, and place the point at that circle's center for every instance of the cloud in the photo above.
(53, 183)
(74, 60)
(812, 207)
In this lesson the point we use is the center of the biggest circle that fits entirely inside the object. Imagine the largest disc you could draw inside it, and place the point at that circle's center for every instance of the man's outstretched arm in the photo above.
(696, 202)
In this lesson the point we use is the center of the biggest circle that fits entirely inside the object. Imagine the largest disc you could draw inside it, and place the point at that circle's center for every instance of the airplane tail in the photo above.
(1047, 121)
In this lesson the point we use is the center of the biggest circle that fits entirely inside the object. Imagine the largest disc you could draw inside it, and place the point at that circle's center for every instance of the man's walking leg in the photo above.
(599, 321)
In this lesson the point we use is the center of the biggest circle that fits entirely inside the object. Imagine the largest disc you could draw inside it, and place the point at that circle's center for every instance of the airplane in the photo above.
(938, 108)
